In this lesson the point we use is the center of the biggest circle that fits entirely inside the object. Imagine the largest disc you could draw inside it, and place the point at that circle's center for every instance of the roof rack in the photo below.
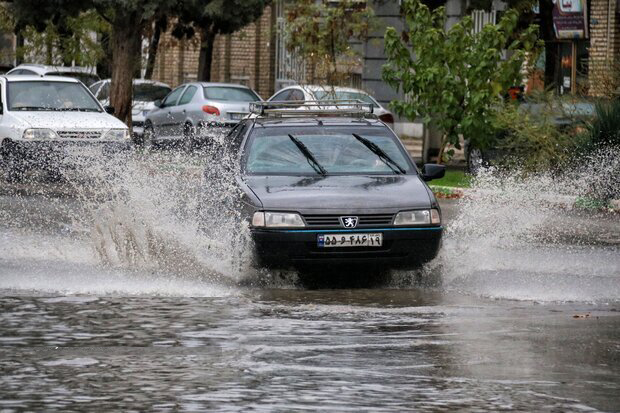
(348, 108)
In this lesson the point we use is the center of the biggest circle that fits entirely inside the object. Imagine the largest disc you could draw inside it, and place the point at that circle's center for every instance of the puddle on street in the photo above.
(114, 298)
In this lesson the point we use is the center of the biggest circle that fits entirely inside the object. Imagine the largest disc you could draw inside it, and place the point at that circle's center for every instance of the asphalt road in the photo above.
(522, 315)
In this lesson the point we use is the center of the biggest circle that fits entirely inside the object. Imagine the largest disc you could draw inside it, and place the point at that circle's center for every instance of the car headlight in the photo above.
(418, 217)
(39, 133)
(117, 134)
(277, 220)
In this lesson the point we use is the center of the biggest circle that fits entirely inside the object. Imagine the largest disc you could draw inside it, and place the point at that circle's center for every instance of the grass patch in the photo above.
(454, 177)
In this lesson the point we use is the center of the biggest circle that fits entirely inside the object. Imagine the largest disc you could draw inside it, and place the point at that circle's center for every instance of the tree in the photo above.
(127, 20)
(321, 33)
(214, 17)
(67, 42)
(454, 76)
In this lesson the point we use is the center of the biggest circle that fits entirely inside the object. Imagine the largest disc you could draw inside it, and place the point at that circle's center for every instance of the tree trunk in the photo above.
(207, 38)
(125, 53)
(160, 25)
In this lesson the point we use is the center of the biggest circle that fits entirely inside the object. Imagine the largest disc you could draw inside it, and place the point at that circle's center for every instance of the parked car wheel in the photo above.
(475, 160)
(147, 138)
(189, 132)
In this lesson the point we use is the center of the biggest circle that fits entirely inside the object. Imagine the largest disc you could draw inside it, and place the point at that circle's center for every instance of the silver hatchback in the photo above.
(191, 110)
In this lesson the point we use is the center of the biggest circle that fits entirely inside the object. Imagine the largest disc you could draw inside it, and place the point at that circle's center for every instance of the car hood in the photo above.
(355, 192)
(69, 120)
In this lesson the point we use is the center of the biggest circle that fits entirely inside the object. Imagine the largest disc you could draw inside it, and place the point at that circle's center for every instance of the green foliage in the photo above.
(218, 16)
(75, 43)
(320, 32)
(454, 177)
(604, 130)
(454, 77)
(531, 141)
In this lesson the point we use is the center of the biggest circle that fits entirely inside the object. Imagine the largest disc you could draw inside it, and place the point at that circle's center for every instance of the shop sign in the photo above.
(570, 19)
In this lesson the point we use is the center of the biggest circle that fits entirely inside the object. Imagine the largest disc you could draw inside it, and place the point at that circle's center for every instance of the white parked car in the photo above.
(45, 119)
(83, 74)
(318, 93)
(145, 93)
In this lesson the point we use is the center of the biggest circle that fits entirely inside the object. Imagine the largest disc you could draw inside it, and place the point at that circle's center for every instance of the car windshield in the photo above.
(233, 94)
(340, 95)
(44, 95)
(272, 151)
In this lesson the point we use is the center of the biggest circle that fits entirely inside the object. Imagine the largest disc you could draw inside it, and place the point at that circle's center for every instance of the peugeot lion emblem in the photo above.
(348, 222)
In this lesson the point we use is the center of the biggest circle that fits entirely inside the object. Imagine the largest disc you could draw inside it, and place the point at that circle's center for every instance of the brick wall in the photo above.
(604, 56)
(177, 60)
(246, 57)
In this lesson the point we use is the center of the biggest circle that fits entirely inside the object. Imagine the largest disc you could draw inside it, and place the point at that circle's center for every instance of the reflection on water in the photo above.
(379, 350)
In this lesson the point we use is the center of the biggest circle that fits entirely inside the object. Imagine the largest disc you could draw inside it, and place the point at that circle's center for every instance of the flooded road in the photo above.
(521, 313)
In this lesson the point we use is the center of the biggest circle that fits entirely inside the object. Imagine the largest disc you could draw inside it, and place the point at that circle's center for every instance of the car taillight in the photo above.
(387, 118)
(211, 110)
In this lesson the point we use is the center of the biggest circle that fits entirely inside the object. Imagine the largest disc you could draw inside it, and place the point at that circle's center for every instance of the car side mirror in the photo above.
(432, 171)
(109, 109)
(157, 103)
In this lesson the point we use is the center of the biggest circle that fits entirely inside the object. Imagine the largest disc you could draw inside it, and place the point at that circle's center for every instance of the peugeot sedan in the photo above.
(334, 187)
(145, 94)
(191, 109)
(299, 93)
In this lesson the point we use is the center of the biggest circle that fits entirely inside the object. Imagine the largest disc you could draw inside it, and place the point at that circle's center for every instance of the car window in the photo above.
(233, 94)
(282, 96)
(296, 94)
(148, 92)
(188, 95)
(271, 151)
(172, 97)
(86, 78)
(94, 88)
(340, 95)
(50, 96)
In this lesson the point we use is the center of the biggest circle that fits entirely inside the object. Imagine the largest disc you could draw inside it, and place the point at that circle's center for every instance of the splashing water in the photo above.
(168, 222)
(162, 212)
(519, 236)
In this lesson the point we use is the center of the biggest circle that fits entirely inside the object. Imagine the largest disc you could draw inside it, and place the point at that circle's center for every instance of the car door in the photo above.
(182, 111)
(162, 120)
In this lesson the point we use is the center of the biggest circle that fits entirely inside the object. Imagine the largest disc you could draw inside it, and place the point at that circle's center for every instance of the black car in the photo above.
(334, 186)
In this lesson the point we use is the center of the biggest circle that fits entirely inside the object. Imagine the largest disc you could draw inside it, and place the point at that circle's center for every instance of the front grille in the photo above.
(79, 134)
(364, 221)
(137, 124)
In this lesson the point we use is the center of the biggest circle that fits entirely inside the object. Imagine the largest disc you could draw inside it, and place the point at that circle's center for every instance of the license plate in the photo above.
(88, 151)
(237, 116)
(350, 240)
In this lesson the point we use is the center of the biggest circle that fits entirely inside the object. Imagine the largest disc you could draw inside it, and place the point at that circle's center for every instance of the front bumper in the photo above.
(44, 153)
(405, 248)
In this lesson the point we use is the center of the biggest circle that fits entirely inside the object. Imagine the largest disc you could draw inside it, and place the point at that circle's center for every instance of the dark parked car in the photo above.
(563, 115)
(334, 186)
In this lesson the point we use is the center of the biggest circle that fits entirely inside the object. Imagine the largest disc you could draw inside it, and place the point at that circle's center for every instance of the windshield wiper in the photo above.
(77, 110)
(29, 108)
(374, 148)
(311, 159)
